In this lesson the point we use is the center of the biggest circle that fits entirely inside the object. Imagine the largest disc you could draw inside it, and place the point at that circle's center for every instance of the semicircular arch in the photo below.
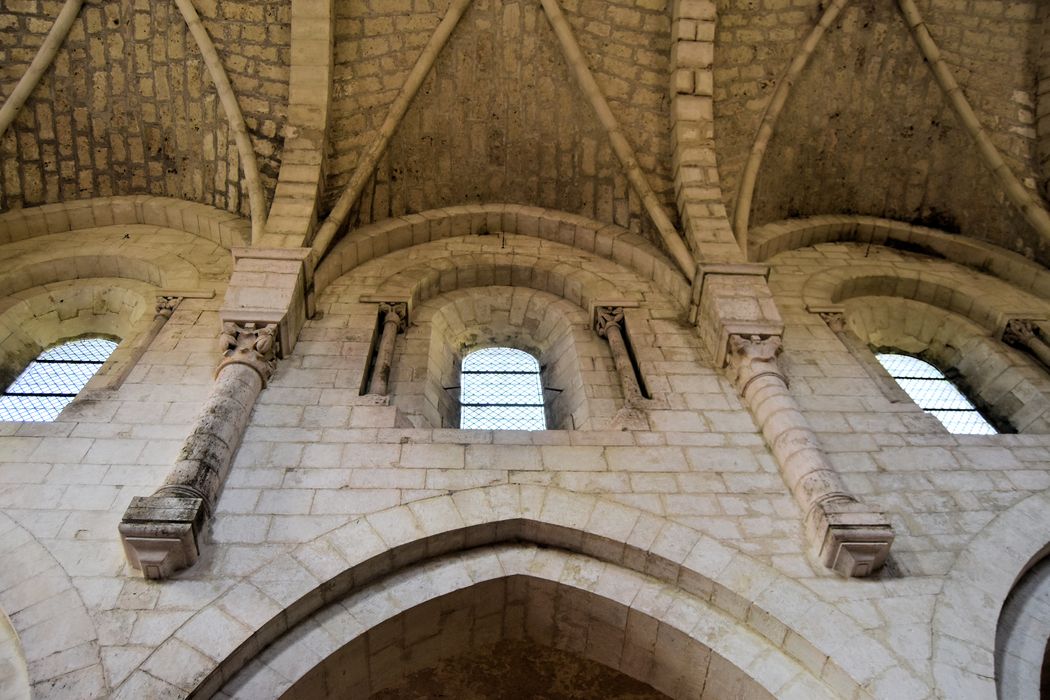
(943, 286)
(604, 241)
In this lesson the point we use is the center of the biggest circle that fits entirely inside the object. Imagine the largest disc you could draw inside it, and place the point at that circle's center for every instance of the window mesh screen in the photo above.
(933, 393)
(53, 379)
(500, 389)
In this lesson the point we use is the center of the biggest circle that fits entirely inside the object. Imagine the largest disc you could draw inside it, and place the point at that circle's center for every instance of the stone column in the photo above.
(1022, 333)
(609, 324)
(395, 316)
(850, 538)
(161, 533)
(742, 330)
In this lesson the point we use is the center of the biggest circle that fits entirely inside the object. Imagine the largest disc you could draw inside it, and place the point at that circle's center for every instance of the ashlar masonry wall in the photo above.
(326, 477)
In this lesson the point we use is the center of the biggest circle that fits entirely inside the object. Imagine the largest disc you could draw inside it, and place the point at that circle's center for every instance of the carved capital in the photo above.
(753, 357)
(395, 312)
(165, 307)
(606, 317)
(1019, 331)
(251, 344)
(835, 321)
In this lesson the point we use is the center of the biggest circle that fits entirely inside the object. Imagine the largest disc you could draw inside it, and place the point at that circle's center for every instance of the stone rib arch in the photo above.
(605, 241)
(967, 611)
(296, 585)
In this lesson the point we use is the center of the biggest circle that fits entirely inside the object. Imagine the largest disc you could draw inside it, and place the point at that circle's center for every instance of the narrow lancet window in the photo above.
(54, 379)
(934, 393)
(500, 389)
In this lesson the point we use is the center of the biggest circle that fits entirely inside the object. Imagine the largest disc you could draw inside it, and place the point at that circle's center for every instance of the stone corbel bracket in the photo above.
(742, 329)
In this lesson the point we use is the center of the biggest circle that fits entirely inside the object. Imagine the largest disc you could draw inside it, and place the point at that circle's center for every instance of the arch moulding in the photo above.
(345, 560)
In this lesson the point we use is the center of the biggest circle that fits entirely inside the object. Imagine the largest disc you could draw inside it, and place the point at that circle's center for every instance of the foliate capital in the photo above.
(835, 321)
(251, 344)
(1019, 331)
(166, 306)
(395, 311)
(606, 317)
(751, 357)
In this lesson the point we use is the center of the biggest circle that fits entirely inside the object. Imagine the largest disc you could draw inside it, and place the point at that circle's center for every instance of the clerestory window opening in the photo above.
(936, 394)
(54, 379)
(500, 389)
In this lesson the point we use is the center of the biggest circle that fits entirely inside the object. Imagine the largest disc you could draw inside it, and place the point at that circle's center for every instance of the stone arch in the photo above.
(652, 631)
(34, 319)
(223, 228)
(48, 615)
(944, 286)
(296, 585)
(768, 240)
(555, 331)
(561, 279)
(605, 241)
(1006, 384)
(967, 612)
(1022, 640)
(14, 675)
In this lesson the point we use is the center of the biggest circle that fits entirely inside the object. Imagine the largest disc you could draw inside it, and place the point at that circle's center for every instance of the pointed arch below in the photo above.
(603, 240)
(768, 240)
(339, 564)
(54, 623)
(647, 629)
(966, 615)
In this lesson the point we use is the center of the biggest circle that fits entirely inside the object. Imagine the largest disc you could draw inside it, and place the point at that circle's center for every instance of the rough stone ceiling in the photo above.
(866, 129)
(128, 107)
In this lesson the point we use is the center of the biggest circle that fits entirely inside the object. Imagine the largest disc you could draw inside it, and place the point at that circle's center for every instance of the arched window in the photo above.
(934, 393)
(54, 379)
(500, 389)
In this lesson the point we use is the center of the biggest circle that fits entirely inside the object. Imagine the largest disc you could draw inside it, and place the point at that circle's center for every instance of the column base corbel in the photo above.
(160, 534)
(853, 540)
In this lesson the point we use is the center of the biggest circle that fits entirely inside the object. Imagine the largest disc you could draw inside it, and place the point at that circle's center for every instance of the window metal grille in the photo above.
(54, 379)
(500, 389)
(934, 393)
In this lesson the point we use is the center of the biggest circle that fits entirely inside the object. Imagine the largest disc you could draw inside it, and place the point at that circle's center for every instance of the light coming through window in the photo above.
(54, 379)
(500, 390)
(928, 387)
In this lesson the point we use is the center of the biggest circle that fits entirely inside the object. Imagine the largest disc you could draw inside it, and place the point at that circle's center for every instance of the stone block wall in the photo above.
(128, 106)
